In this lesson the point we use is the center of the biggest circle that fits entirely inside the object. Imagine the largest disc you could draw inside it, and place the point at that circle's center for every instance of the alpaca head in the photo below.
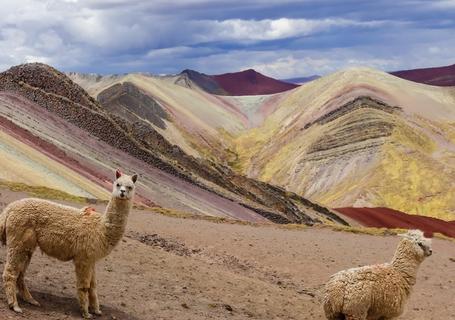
(420, 245)
(124, 185)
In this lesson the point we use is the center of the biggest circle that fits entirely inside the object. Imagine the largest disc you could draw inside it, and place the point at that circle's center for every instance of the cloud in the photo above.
(268, 29)
(443, 4)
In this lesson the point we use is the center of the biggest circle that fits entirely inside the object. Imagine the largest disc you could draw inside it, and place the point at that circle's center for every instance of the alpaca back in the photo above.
(378, 289)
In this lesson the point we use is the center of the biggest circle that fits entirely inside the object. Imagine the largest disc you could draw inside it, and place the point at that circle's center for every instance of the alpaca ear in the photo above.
(118, 173)
(134, 178)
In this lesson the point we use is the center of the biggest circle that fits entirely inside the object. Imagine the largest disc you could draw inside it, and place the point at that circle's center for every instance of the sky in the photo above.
(280, 38)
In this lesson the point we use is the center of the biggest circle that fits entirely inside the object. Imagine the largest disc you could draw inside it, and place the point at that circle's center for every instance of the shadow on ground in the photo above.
(57, 307)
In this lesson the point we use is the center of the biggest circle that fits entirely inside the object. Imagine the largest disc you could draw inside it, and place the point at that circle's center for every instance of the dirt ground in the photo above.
(173, 268)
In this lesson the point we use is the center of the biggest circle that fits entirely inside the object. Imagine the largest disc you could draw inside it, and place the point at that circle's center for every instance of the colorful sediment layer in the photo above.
(389, 218)
(359, 137)
(55, 134)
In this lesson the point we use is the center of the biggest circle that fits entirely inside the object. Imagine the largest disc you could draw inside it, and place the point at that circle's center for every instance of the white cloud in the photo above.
(290, 66)
(166, 52)
(29, 59)
(308, 62)
(272, 29)
(442, 4)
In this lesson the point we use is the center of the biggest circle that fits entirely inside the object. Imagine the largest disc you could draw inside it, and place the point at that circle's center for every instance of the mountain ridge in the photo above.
(141, 141)
(243, 83)
(436, 76)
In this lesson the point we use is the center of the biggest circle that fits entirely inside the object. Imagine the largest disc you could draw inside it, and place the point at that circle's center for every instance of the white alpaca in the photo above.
(378, 291)
(64, 233)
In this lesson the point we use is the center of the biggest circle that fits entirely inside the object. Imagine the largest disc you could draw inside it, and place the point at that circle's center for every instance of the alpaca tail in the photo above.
(3, 217)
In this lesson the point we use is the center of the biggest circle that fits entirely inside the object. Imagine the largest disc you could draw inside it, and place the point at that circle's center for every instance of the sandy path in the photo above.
(169, 268)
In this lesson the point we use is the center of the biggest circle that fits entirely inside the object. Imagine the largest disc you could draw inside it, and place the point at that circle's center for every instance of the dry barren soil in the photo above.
(174, 268)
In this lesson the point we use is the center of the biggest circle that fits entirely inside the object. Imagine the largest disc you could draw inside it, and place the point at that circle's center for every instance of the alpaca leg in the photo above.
(84, 277)
(15, 263)
(94, 304)
(24, 293)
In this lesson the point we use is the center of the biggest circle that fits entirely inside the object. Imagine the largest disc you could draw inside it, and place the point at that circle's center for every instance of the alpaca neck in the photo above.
(406, 262)
(115, 218)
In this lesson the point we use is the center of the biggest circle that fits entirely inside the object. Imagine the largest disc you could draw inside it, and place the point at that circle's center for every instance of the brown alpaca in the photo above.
(65, 233)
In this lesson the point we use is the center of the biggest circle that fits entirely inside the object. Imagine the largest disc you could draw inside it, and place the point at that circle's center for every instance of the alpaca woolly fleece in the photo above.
(377, 291)
(64, 233)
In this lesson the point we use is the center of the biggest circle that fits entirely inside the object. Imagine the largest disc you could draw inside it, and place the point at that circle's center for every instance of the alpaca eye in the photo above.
(420, 245)
(130, 187)
(118, 185)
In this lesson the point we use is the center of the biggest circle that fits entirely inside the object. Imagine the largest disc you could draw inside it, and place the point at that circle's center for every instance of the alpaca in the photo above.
(378, 291)
(64, 233)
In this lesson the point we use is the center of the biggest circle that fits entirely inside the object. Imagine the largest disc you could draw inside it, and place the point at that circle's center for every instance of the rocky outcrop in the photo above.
(128, 101)
(358, 122)
(362, 102)
(189, 78)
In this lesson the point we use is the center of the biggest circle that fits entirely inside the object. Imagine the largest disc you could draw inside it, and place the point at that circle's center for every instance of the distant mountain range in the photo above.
(301, 80)
(437, 76)
(250, 82)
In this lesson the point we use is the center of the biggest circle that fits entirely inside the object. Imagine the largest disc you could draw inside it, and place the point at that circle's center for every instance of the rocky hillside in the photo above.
(360, 137)
(131, 132)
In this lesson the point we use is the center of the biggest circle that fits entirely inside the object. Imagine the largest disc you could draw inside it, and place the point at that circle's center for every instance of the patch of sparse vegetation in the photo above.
(46, 193)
